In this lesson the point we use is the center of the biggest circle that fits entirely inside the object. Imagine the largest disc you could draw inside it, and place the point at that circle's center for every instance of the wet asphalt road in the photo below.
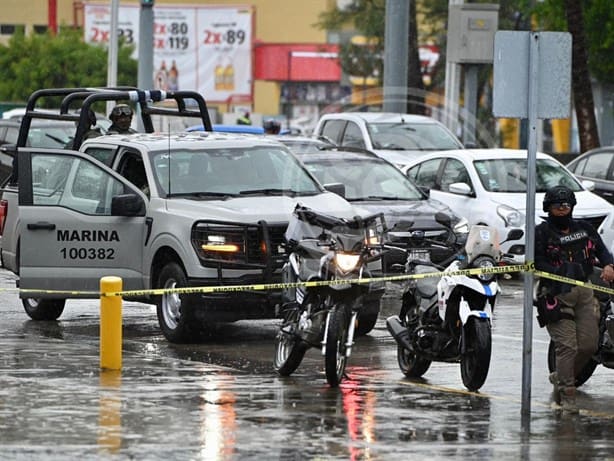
(222, 400)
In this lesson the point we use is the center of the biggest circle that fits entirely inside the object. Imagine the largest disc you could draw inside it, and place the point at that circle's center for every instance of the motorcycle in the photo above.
(605, 350)
(447, 318)
(326, 252)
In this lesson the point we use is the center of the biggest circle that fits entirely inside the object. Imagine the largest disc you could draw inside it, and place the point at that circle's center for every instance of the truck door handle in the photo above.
(41, 225)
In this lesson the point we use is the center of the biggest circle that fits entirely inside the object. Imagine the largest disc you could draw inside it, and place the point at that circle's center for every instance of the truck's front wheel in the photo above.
(173, 309)
(43, 309)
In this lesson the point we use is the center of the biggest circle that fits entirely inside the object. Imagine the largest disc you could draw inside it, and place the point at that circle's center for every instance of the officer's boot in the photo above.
(568, 400)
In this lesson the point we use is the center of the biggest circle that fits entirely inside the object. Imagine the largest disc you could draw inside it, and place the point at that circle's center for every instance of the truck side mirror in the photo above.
(336, 188)
(127, 205)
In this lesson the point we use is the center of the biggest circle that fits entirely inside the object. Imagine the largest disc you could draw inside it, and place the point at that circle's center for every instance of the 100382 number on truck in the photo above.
(87, 253)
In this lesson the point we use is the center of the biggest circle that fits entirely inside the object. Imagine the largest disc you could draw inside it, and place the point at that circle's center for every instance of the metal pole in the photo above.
(530, 229)
(145, 72)
(471, 104)
(396, 50)
(112, 52)
(452, 88)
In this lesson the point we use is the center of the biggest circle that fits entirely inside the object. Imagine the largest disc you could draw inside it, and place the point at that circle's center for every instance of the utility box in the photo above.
(471, 32)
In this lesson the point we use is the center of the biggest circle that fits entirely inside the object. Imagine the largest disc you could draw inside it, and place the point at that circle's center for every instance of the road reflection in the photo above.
(109, 414)
(455, 417)
(218, 418)
(359, 403)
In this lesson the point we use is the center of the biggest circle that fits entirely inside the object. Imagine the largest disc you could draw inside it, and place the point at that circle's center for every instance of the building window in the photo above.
(7, 29)
(39, 29)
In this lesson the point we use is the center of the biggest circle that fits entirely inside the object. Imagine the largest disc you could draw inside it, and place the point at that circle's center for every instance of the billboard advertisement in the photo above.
(202, 48)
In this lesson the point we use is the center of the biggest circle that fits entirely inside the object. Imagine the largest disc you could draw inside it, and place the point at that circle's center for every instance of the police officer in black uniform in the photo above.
(570, 247)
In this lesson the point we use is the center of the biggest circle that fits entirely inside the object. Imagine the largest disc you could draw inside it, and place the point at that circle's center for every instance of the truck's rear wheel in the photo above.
(43, 309)
(174, 309)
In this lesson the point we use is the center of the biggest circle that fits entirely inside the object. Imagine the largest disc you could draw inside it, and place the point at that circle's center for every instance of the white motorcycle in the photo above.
(447, 318)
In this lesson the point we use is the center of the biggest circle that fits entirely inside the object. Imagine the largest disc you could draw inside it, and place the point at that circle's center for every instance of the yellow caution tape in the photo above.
(528, 267)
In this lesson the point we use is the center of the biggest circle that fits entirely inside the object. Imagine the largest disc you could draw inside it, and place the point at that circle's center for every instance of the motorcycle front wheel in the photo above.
(582, 376)
(289, 348)
(335, 358)
(475, 362)
(411, 364)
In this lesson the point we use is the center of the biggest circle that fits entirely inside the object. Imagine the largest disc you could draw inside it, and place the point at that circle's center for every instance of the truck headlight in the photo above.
(217, 243)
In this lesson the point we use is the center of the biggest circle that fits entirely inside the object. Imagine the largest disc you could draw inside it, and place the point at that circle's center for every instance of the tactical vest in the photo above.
(578, 246)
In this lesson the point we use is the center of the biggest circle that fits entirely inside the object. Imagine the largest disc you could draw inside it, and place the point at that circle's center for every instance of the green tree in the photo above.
(368, 17)
(61, 61)
(591, 24)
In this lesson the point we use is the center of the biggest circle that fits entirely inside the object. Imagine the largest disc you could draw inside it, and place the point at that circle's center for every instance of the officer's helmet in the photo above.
(559, 194)
(271, 126)
(120, 109)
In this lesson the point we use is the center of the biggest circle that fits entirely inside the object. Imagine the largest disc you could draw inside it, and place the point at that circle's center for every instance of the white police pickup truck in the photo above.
(159, 210)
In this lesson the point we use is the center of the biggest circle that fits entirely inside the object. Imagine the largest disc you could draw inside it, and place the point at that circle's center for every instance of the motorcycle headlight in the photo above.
(461, 227)
(511, 216)
(485, 263)
(373, 240)
(346, 262)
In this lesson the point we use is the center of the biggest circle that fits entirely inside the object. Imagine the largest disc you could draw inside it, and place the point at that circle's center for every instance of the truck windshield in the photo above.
(230, 171)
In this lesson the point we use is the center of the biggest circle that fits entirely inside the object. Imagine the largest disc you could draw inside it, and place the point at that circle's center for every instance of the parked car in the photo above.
(374, 185)
(596, 165)
(398, 138)
(43, 133)
(488, 186)
(303, 144)
(221, 128)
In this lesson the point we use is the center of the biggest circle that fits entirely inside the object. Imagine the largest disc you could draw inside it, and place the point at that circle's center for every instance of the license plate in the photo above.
(419, 255)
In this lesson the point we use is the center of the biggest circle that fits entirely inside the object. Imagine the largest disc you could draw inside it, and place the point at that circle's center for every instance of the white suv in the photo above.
(398, 138)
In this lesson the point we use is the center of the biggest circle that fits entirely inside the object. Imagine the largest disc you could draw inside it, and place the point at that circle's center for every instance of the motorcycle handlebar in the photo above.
(328, 222)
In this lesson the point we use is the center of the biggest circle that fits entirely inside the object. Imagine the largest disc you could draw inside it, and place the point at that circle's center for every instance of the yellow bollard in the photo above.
(110, 324)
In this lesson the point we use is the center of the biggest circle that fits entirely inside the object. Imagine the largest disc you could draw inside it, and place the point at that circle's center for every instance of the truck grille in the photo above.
(257, 245)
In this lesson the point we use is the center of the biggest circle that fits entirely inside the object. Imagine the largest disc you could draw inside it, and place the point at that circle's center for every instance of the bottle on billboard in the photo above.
(173, 77)
(218, 75)
(229, 76)
(161, 77)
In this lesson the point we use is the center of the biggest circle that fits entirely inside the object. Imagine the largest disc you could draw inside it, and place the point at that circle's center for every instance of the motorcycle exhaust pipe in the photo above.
(399, 332)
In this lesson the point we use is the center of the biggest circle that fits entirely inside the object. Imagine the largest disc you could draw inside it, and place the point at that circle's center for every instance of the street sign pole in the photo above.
(543, 92)
(527, 337)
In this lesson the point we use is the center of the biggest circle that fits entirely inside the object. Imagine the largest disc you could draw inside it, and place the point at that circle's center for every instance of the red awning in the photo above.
(297, 63)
